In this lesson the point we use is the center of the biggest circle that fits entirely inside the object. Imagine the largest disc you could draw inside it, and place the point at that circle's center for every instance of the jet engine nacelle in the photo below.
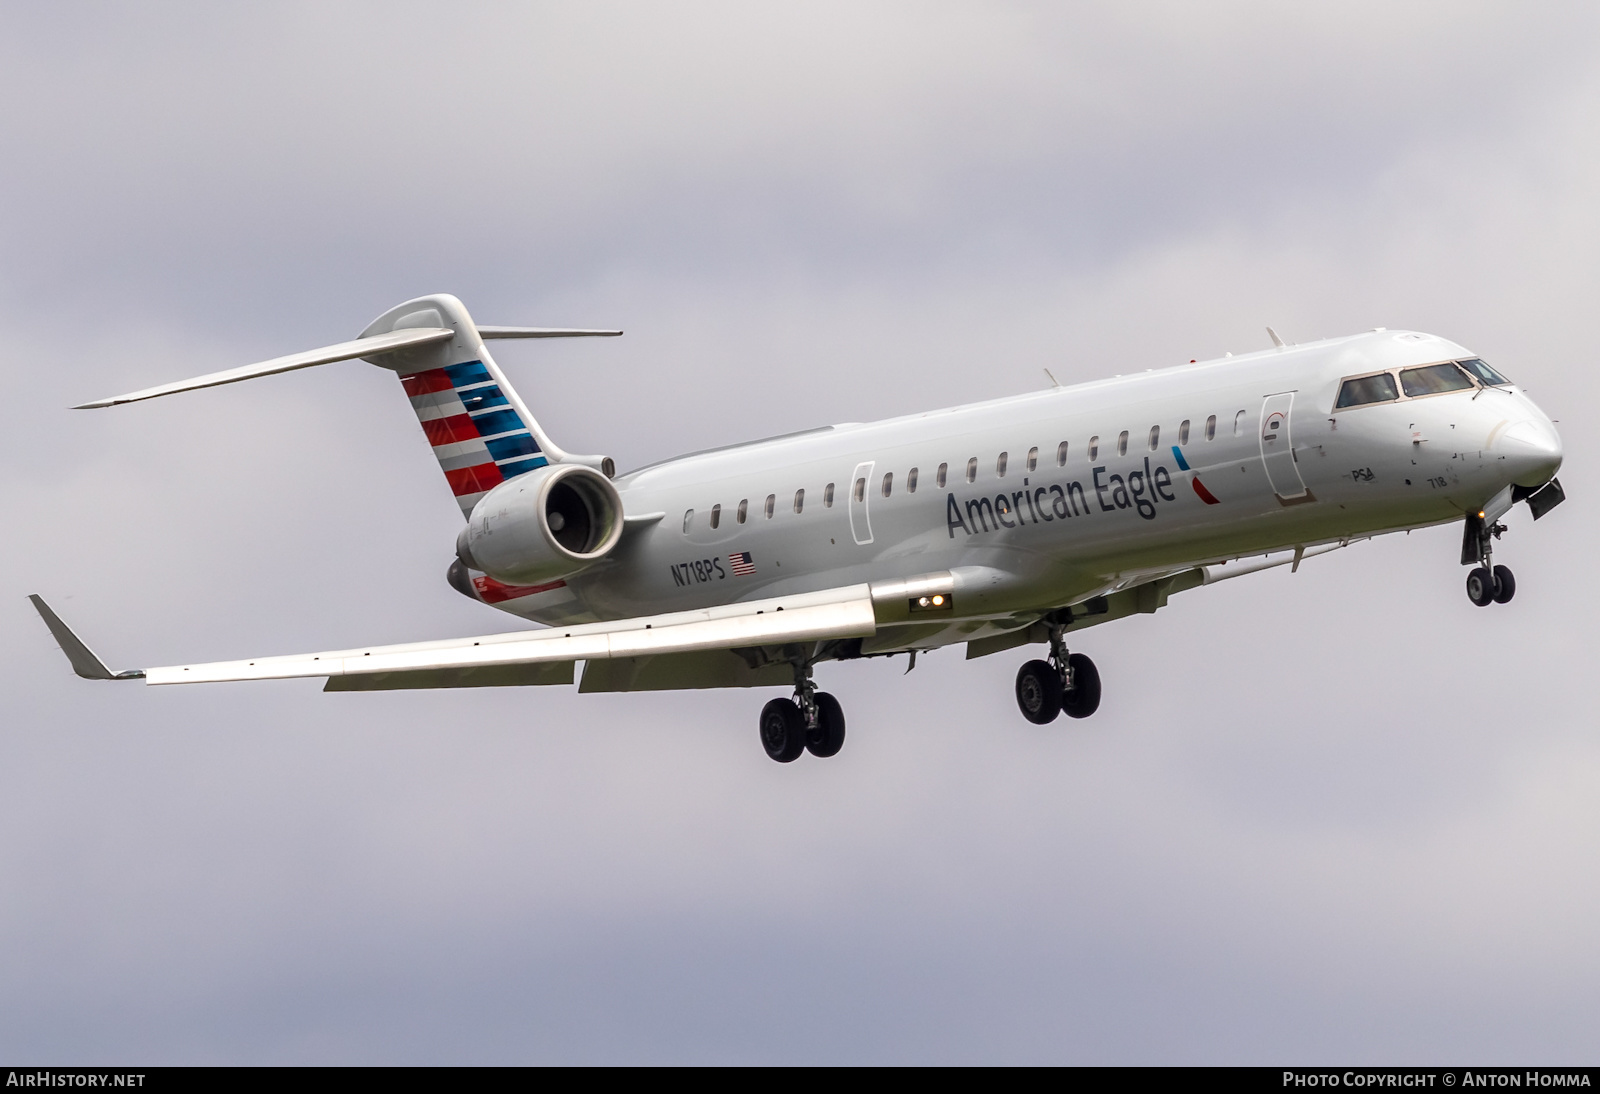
(542, 525)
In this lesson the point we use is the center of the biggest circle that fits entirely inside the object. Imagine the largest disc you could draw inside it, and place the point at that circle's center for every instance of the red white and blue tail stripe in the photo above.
(477, 434)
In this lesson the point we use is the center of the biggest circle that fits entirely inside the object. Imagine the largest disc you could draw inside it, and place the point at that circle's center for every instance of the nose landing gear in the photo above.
(1066, 684)
(1487, 583)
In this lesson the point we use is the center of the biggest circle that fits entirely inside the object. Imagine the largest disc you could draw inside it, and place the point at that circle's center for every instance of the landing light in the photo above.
(933, 602)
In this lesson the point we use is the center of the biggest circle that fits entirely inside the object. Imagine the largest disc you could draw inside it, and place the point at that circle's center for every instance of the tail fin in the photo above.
(481, 431)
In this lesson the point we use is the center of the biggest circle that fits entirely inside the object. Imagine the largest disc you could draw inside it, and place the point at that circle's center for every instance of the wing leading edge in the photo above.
(482, 660)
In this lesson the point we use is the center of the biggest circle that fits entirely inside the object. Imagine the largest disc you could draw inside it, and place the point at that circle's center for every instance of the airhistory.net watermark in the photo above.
(48, 1077)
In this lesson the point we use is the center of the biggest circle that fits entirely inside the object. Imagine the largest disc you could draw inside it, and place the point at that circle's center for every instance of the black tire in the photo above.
(1083, 698)
(1480, 586)
(1039, 692)
(783, 730)
(1505, 585)
(828, 738)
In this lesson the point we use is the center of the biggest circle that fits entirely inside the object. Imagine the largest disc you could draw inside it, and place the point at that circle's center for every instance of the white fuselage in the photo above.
(1027, 525)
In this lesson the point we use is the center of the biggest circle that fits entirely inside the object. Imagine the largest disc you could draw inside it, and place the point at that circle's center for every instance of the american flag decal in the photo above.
(741, 564)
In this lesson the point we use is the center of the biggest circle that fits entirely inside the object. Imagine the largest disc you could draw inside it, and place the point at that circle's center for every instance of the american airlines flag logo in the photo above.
(742, 566)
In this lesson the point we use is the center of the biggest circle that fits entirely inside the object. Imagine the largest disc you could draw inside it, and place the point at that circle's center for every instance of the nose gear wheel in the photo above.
(1487, 583)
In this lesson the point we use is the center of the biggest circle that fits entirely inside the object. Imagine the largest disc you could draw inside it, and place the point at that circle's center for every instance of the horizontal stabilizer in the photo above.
(543, 332)
(344, 351)
(84, 661)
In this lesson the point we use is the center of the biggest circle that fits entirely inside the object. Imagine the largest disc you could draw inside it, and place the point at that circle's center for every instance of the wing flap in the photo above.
(835, 613)
(492, 676)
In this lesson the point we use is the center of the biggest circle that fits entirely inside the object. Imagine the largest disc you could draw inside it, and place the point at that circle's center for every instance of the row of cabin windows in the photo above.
(941, 476)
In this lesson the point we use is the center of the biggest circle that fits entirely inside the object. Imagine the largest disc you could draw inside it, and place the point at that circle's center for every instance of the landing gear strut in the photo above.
(813, 721)
(1068, 684)
(1487, 583)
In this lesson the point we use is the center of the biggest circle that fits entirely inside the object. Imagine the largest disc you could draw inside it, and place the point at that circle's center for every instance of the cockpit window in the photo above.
(1483, 372)
(1433, 379)
(1367, 389)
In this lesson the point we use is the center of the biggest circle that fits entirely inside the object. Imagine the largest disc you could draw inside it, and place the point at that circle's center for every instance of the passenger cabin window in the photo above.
(1155, 437)
(1033, 459)
(1433, 380)
(716, 514)
(1483, 372)
(1183, 432)
(911, 481)
(1000, 466)
(888, 484)
(1122, 443)
(972, 469)
(688, 515)
(1061, 454)
(861, 489)
(744, 509)
(827, 496)
(1094, 449)
(1366, 389)
(939, 479)
(772, 504)
(799, 500)
(1238, 423)
(1211, 428)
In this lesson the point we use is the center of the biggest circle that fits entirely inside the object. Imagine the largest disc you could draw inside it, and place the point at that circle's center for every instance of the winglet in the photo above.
(1275, 339)
(84, 661)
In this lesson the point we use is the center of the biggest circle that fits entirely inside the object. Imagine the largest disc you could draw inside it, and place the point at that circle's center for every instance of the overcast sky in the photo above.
(1332, 816)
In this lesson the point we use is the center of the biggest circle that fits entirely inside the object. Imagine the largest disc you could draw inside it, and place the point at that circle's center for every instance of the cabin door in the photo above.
(860, 491)
(1277, 452)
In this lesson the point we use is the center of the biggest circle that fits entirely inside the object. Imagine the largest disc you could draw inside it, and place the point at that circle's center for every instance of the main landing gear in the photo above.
(1487, 583)
(1066, 684)
(813, 721)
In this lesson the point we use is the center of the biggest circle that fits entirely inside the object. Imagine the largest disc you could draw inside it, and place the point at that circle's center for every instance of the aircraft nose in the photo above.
(1531, 451)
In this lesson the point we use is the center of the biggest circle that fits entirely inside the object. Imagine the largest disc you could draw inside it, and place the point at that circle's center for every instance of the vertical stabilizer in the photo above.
(481, 431)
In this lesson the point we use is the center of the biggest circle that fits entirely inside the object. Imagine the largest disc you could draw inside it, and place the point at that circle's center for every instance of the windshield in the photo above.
(1482, 371)
(1433, 379)
(1367, 389)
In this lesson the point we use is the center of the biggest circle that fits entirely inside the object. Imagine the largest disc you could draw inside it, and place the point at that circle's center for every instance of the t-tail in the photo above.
(481, 431)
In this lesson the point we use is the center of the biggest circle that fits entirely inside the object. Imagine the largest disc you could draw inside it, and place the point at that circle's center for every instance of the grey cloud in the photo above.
(1338, 814)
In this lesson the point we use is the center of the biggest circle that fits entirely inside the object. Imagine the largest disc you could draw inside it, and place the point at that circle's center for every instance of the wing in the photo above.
(853, 611)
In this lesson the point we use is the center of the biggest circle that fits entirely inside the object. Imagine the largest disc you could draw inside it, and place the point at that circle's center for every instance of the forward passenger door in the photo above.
(1277, 450)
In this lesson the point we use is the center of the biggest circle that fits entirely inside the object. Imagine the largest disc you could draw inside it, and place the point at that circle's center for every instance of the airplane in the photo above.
(1014, 522)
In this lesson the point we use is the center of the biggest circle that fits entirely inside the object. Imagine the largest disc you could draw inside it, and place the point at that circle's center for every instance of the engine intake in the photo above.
(542, 525)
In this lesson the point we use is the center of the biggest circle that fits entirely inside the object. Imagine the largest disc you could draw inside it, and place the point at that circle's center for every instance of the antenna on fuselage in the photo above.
(1279, 342)
(1053, 383)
